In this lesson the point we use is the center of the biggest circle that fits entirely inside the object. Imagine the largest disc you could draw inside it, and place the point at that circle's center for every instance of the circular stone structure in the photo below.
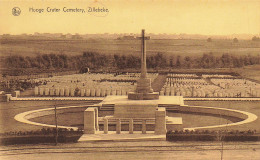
(245, 116)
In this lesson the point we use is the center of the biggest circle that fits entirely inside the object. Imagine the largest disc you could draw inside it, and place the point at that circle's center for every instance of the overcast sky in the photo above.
(208, 17)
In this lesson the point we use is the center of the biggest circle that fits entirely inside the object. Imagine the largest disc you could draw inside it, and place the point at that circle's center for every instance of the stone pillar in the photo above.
(143, 57)
(118, 126)
(144, 126)
(36, 91)
(96, 118)
(105, 126)
(131, 126)
(89, 121)
(8, 97)
(16, 93)
(160, 121)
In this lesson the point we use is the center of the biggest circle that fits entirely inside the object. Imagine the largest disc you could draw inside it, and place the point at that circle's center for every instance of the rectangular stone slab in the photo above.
(135, 110)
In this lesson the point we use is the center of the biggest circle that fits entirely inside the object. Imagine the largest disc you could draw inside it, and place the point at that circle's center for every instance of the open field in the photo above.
(190, 47)
(251, 72)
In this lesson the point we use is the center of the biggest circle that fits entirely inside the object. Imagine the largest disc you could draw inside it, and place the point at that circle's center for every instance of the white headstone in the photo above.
(93, 92)
(82, 92)
(62, 92)
(46, 91)
(57, 91)
(51, 91)
(41, 91)
(98, 92)
(67, 92)
(72, 92)
(36, 91)
(88, 92)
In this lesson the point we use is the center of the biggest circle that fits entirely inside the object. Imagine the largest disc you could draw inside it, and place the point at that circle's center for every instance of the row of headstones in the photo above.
(43, 75)
(208, 94)
(191, 87)
(186, 84)
(82, 92)
(212, 89)
(228, 85)
(181, 75)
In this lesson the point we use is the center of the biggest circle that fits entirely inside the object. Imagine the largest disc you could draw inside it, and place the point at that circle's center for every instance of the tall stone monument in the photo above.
(143, 107)
(143, 90)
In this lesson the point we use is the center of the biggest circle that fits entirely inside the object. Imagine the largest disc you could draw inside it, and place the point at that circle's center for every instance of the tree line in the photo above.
(95, 60)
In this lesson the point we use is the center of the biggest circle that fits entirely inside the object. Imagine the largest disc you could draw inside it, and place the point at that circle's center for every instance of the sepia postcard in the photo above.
(130, 79)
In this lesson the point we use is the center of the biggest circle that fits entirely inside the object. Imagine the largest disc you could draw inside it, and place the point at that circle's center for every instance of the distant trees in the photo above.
(209, 40)
(92, 60)
(255, 38)
(235, 40)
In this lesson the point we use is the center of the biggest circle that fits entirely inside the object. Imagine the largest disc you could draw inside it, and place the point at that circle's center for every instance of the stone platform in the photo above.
(124, 136)
(163, 100)
(126, 109)
(143, 96)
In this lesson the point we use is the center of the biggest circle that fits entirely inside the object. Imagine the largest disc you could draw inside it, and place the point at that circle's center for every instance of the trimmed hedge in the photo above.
(45, 135)
(206, 135)
(10, 140)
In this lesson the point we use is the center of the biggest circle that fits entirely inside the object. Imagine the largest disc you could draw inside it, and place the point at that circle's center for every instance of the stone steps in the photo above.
(107, 107)
(158, 82)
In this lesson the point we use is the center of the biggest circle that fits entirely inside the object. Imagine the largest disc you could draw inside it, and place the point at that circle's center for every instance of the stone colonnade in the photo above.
(91, 122)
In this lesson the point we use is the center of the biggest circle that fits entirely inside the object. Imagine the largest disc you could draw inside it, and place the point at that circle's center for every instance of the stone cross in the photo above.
(143, 57)
(143, 90)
